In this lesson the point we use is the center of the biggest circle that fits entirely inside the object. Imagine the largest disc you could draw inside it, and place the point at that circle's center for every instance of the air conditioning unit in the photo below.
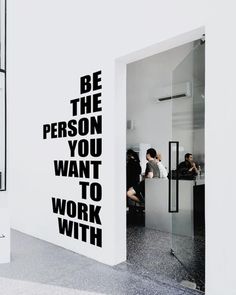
(180, 90)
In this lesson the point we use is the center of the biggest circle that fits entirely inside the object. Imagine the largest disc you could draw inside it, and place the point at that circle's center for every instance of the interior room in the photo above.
(166, 111)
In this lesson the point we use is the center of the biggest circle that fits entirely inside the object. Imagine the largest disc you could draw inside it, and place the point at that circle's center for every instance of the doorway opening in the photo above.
(165, 96)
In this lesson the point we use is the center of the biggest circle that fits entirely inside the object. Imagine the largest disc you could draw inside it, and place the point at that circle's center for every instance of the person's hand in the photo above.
(193, 165)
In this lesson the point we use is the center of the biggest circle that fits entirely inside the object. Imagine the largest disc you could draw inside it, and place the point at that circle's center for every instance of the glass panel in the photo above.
(2, 34)
(188, 119)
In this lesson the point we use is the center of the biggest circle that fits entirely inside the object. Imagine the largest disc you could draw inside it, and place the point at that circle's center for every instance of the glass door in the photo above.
(186, 183)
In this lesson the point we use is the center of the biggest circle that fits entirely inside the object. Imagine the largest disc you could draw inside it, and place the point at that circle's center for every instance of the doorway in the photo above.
(166, 111)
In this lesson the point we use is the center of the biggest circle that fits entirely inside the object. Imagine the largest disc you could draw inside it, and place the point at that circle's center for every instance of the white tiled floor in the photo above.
(10, 287)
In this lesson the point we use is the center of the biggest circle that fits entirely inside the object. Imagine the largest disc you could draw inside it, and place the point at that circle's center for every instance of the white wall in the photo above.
(2, 129)
(4, 229)
(50, 45)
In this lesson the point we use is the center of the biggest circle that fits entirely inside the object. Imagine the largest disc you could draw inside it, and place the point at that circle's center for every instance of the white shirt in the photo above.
(163, 171)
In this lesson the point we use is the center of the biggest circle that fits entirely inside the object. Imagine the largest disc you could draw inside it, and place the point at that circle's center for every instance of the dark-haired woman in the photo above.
(133, 169)
(154, 169)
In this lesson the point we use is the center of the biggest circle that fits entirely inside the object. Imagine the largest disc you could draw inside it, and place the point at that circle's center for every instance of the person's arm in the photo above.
(182, 168)
(193, 168)
(150, 175)
(149, 171)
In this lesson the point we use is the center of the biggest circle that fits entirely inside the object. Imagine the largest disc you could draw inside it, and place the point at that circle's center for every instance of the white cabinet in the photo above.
(156, 205)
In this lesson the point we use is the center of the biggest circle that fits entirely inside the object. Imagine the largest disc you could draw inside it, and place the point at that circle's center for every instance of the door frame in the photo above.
(120, 114)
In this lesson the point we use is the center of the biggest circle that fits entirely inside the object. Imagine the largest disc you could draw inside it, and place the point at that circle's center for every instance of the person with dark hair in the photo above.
(188, 168)
(133, 169)
(154, 169)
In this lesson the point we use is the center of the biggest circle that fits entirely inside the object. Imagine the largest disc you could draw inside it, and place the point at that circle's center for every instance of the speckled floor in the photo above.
(39, 267)
(149, 252)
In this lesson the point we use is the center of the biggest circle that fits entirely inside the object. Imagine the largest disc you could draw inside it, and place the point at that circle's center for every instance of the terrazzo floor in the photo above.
(38, 267)
(149, 252)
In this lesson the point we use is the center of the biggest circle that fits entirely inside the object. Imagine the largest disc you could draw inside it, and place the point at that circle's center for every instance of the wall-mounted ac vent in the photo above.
(181, 90)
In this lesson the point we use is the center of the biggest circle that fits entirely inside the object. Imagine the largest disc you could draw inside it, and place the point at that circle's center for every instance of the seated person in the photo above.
(154, 169)
(133, 169)
(188, 168)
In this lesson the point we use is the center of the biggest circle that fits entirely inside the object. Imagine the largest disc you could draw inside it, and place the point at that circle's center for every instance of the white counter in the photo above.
(156, 206)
